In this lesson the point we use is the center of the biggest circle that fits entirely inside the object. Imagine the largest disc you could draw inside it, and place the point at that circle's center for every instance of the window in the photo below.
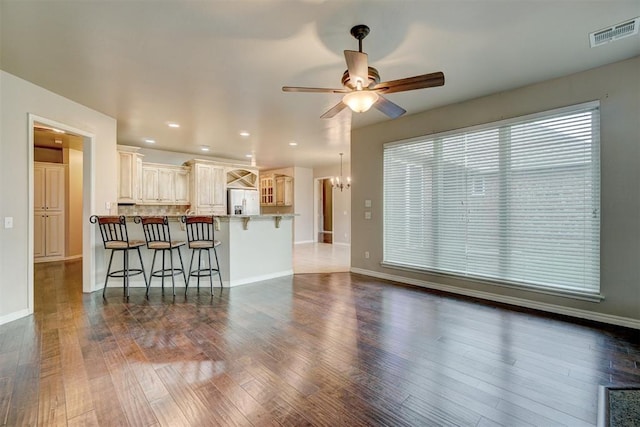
(515, 202)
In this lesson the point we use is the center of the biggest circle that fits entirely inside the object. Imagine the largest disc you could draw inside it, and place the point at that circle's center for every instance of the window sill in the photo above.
(565, 293)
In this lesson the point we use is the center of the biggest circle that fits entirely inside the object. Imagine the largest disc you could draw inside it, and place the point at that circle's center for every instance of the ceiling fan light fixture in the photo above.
(360, 101)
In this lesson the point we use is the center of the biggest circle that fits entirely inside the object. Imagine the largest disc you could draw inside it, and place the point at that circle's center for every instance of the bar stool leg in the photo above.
(182, 265)
(163, 267)
(218, 266)
(210, 272)
(125, 263)
(153, 263)
(189, 276)
(199, 267)
(173, 277)
(144, 275)
(106, 279)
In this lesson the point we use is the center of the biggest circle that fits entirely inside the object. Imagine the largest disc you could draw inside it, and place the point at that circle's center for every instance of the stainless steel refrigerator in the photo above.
(243, 202)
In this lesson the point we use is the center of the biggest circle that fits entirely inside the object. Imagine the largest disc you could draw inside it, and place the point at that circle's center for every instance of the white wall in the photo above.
(617, 87)
(18, 98)
(303, 201)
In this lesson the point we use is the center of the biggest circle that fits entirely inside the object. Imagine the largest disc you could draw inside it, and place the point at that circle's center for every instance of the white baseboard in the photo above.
(71, 258)
(342, 244)
(302, 242)
(254, 279)
(521, 302)
(14, 316)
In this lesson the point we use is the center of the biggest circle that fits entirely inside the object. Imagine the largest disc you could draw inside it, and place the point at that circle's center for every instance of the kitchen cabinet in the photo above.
(267, 190)
(164, 184)
(284, 190)
(49, 211)
(129, 174)
(276, 190)
(208, 187)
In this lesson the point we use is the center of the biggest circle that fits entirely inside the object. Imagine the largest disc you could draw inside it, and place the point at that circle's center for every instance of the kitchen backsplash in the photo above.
(152, 210)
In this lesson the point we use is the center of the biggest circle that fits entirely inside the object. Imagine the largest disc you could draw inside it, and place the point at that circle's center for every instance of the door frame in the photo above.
(316, 196)
(88, 202)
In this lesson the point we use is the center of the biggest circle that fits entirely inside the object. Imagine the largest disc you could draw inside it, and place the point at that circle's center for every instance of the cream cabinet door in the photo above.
(149, 184)
(166, 185)
(182, 187)
(267, 191)
(54, 188)
(39, 227)
(39, 197)
(127, 177)
(54, 234)
(219, 195)
(204, 186)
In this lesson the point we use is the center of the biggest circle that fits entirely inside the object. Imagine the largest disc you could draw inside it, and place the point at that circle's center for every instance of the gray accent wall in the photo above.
(617, 87)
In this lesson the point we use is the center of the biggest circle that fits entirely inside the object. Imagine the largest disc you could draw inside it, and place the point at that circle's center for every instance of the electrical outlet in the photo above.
(8, 222)
(366, 254)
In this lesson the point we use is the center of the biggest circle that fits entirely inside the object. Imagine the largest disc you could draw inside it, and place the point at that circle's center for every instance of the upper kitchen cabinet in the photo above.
(164, 184)
(276, 190)
(208, 186)
(284, 190)
(246, 178)
(129, 174)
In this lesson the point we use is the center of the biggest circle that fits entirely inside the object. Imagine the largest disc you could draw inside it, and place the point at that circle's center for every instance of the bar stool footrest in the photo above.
(167, 272)
(121, 273)
(204, 272)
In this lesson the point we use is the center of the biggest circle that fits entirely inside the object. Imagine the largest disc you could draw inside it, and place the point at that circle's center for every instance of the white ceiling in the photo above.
(217, 67)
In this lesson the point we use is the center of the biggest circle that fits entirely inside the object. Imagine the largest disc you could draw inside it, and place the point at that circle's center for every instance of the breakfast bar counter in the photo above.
(254, 248)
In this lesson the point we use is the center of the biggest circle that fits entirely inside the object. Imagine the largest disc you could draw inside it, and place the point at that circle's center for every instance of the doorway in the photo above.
(324, 212)
(58, 164)
(80, 225)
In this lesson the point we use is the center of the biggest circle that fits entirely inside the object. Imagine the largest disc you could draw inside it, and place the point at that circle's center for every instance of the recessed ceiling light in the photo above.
(244, 133)
(173, 125)
(205, 148)
(57, 130)
(248, 155)
(293, 143)
(150, 141)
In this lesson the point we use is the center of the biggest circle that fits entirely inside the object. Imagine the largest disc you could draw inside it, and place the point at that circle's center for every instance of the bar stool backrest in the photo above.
(113, 230)
(199, 228)
(156, 229)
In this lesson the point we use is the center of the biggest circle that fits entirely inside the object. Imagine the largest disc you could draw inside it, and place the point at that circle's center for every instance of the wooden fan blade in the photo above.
(389, 108)
(358, 66)
(411, 83)
(334, 110)
(313, 89)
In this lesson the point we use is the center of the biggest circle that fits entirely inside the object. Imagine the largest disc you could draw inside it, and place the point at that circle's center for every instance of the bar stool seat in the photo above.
(115, 237)
(201, 237)
(158, 238)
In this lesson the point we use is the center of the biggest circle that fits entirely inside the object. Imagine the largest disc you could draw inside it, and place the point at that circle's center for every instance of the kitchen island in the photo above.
(254, 248)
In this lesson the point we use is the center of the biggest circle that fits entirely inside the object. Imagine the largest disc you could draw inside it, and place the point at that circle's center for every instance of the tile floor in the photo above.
(320, 258)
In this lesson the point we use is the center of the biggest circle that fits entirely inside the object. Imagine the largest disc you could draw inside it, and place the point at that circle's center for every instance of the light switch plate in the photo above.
(8, 222)
(367, 203)
(367, 215)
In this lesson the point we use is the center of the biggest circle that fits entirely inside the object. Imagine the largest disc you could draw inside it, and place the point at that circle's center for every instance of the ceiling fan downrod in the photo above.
(359, 32)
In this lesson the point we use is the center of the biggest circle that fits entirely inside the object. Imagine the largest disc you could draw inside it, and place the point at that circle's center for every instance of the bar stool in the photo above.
(115, 237)
(158, 236)
(201, 237)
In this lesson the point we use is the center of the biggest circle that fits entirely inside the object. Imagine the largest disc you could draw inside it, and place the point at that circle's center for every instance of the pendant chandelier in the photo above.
(339, 181)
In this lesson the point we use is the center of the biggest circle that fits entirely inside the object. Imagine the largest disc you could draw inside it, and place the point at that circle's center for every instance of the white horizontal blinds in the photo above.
(516, 201)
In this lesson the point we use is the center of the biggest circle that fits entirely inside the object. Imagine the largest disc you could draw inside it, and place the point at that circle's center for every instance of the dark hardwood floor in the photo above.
(314, 349)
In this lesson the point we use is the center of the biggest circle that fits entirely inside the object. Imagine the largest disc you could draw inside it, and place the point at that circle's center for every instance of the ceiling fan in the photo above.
(362, 87)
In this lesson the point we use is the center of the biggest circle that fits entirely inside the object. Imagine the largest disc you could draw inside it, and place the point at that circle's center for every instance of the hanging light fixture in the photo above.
(338, 181)
(360, 100)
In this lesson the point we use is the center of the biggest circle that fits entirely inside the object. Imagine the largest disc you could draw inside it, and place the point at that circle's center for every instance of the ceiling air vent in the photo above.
(617, 32)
